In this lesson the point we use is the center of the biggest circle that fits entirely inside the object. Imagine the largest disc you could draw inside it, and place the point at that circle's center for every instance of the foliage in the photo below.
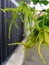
(45, 2)
(39, 33)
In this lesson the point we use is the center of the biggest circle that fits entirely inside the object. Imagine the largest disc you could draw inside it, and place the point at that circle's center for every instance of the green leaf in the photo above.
(16, 43)
(46, 28)
(32, 9)
(35, 1)
(16, 25)
(43, 20)
(31, 39)
(12, 21)
(8, 19)
(9, 31)
(45, 2)
(16, 16)
(7, 9)
(46, 36)
(47, 10)
(25, 23)
(22, 17)
(33, 18)
(30, 23)
(40, 40)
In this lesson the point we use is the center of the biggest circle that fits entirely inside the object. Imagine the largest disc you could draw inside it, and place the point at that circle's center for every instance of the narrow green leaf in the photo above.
(25, 23)
(7, 9)
(46, 36)
(35, 1)
(45, 2)
(12, 21)
(10, 27)
(30, 23)
(46, 28)
(16, 43)
(40, 40)
(16, 25)
(47, 10)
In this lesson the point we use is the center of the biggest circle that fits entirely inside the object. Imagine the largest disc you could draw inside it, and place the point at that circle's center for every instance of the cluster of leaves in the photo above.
(45, 2)
(39, 33)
